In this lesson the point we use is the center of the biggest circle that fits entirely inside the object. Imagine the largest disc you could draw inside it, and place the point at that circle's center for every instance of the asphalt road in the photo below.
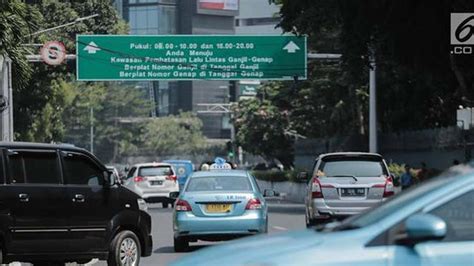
(282, 217)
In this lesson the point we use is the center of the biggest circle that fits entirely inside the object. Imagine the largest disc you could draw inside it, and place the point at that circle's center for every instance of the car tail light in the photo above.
(388, 189)
(182, 206)
(253, 204)
(139, 179)
(172, 177)
(316, 188)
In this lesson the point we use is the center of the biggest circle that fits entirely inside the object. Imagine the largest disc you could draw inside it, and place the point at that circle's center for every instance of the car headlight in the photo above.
(142, 205)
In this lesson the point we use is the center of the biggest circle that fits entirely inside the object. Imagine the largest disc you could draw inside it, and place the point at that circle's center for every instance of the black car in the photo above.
(59, 204)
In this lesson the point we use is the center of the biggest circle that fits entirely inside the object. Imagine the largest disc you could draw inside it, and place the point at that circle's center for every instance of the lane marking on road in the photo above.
(279, 228)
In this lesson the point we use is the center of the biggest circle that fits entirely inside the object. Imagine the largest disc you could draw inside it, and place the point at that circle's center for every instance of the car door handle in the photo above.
(24, 197)
(78, 198)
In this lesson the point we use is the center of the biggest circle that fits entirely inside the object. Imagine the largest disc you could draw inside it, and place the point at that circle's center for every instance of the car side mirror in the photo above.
(107, 178)
(423, 227)
(110, 178)
(302, 176)
(268, 193)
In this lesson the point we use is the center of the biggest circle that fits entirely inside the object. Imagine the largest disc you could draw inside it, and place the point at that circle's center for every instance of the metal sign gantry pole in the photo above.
(7, 98)
(6, 93)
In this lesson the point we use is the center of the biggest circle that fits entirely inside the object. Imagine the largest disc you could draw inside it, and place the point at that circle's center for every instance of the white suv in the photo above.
(154, 182)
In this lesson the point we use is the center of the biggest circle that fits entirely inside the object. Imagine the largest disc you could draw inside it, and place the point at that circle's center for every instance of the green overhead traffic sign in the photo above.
(190, 57)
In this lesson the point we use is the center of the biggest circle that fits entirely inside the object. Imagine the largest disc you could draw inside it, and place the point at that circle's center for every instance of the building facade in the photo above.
(257, 17)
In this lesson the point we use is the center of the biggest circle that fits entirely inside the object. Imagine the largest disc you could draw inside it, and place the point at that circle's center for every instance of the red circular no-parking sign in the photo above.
(53, 53)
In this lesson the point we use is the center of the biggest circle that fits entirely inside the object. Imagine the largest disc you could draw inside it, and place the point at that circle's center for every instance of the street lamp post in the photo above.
(64, 25)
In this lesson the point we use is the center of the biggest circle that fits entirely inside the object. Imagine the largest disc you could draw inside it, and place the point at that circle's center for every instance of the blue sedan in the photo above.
(218, 205)
(431, 224)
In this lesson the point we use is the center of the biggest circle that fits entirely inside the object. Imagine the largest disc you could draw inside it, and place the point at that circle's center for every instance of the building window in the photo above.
(257, 21)
(152, 18)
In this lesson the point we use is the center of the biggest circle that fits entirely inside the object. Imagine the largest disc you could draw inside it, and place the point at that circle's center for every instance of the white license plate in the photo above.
(352, 192)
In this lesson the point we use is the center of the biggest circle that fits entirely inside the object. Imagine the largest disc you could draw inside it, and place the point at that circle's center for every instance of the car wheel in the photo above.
(125, 250)
(180, 244)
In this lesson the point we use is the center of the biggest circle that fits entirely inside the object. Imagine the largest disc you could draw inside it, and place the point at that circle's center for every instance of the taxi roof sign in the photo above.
(220, 164)
(225, 166)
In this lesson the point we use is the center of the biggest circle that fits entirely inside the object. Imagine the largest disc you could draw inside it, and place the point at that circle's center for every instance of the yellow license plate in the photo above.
(216, 208)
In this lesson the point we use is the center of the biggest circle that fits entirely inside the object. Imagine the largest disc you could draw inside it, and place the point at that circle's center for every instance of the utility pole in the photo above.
(92, 129)
(372, 104)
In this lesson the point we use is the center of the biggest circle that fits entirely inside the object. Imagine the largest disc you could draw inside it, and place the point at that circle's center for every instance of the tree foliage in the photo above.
(261, 129)
(113, 105)
(420, 83)
(173, 135)
(17, 21)
(39, 104)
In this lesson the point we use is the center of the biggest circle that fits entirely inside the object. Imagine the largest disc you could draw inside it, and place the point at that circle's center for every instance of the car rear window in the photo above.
(352, 167)
(155, 171)
(219, 183)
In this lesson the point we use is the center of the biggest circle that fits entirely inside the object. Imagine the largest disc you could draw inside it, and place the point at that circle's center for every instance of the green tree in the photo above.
(261, 129)
(33, 103)
(172, 135)
(17, 20)
(116, 107)
(420, 83)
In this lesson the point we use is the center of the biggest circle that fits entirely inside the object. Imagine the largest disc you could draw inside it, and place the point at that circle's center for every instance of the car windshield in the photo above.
(219, 183)
(155, 171)
(353, 167)
(390, 206)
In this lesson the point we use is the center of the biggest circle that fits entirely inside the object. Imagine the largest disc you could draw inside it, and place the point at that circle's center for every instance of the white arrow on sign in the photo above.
(291, 47)
(92, 48)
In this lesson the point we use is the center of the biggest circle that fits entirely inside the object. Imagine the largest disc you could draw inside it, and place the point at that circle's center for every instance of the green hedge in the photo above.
(277, 176)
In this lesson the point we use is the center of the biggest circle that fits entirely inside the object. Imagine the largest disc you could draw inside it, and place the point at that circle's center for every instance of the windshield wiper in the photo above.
(352, 176)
